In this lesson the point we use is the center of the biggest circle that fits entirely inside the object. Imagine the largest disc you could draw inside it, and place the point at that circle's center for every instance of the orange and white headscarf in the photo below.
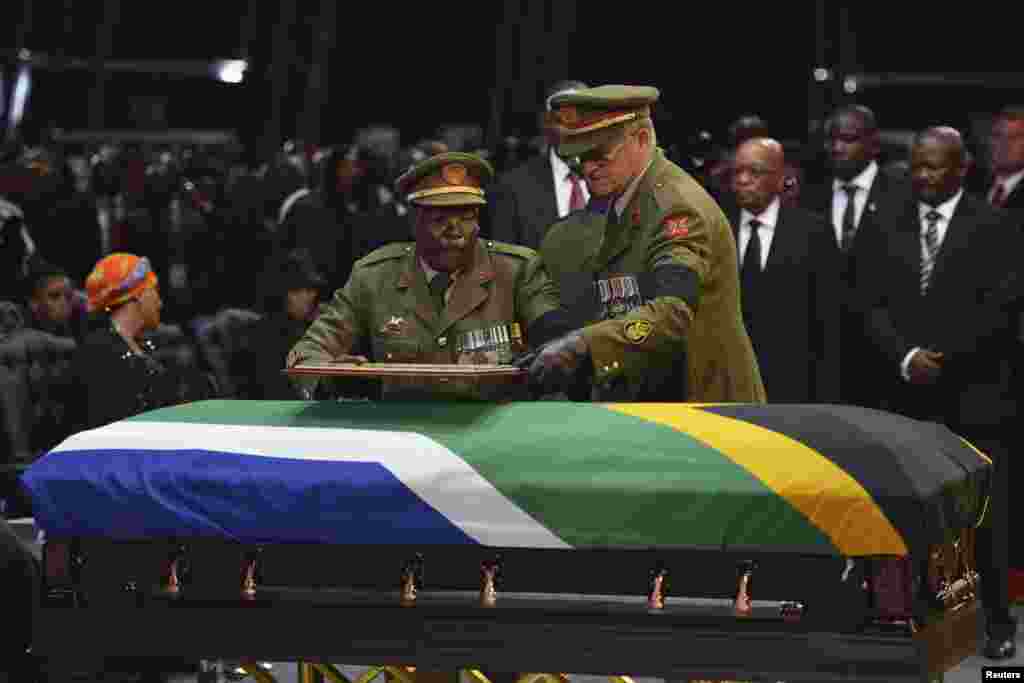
(118, 278)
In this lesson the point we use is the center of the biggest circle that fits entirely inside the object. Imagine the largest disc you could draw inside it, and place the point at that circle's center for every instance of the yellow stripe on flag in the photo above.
(823, 492)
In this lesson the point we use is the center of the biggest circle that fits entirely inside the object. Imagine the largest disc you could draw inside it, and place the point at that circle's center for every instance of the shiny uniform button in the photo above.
(442, 342)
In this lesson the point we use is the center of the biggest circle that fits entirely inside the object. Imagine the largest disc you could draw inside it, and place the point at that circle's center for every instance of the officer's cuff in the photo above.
(607, 360)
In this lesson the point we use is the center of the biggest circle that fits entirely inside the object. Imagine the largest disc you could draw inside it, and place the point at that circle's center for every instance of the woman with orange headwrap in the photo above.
(116, 375)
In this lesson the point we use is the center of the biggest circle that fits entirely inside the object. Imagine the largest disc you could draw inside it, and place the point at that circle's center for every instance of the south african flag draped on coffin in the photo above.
(813, 479)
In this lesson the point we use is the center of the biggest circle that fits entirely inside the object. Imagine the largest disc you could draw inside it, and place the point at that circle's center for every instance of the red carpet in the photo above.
(1016, 585)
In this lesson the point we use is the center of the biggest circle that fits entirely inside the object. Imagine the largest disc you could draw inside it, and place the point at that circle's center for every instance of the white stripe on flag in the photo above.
(431, 471)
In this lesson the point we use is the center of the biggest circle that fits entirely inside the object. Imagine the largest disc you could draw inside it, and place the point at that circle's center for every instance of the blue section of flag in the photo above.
(134, 494)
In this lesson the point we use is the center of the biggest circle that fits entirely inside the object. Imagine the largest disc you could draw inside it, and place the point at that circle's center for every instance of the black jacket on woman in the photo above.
(112, 382)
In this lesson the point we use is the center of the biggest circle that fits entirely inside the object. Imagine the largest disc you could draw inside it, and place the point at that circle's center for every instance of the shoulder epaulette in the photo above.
(395, 250)
(511, 249)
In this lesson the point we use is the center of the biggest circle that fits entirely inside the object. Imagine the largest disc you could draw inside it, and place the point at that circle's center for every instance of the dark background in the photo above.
(421, 65)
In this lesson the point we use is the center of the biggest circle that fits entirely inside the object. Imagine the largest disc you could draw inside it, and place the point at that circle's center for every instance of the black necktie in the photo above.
(438, 286)
(849, 216)
(751, 266)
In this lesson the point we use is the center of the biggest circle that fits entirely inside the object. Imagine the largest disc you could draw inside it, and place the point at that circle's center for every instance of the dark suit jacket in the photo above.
(967, 314)
(522, 204)
(860, 385)
(792, 317)
(1013, 204)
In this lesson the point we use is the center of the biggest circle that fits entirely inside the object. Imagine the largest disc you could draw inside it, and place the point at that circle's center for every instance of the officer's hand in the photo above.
(556, 366)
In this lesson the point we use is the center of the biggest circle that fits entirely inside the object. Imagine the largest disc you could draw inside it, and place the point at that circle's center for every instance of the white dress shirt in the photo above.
(769, 219)
(863, 181)
(563, 184)
(946, 210)
(1009, 184)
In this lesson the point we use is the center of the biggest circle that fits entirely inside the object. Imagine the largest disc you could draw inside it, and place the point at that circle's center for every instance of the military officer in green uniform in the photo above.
(446, 298)
(659, 257)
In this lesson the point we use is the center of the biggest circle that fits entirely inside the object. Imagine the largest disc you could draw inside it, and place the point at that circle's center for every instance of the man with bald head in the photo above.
(788, 280)
(940, 301)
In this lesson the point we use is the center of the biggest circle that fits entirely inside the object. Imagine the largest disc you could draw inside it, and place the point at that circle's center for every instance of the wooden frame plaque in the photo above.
(414, 370)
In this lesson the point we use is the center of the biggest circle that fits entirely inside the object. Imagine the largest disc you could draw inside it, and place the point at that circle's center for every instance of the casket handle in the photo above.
(412, 580)
(656, 596)
(490, 571)
(743, 603)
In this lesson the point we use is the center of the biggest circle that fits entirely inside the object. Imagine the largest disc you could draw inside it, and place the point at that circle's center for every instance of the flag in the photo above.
(833, 480)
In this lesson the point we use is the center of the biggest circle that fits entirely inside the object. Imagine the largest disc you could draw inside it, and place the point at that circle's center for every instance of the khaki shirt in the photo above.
(639, 340)
(386, 309)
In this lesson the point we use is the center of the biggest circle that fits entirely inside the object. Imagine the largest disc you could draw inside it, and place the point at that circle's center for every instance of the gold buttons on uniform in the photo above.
(442, 342)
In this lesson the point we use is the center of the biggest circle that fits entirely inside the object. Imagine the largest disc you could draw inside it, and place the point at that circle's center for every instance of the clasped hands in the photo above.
(925, 366)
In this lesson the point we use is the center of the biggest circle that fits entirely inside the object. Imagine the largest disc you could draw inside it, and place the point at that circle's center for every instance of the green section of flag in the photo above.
(592, 476)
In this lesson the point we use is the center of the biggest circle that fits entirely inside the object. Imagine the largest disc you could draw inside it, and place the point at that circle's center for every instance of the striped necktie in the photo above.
(931, 248)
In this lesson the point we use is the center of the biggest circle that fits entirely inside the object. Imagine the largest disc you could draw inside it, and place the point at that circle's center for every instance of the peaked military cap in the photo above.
(448, 179)
(588, 118)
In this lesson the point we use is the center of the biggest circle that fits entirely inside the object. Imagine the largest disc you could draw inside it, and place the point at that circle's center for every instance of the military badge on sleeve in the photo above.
(676, 226)
(637, 331)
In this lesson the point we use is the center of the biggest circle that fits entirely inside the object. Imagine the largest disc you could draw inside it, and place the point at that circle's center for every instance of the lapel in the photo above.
(547, 200)
(618, 232)
(1014, 200)
(907, 246)
(958, 234)
(471, 289)
(780, 241)
(878, 189)
(416, 298)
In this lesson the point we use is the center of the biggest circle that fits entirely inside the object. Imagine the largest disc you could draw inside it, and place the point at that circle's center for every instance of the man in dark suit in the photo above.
(527, 200)
(858, 199)
(1006, 190)
(788, 280)
(940, 297)
(1006, 142)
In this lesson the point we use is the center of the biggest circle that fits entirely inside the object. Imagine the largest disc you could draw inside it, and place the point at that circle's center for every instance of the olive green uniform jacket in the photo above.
(386, 308)
(677, 246)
